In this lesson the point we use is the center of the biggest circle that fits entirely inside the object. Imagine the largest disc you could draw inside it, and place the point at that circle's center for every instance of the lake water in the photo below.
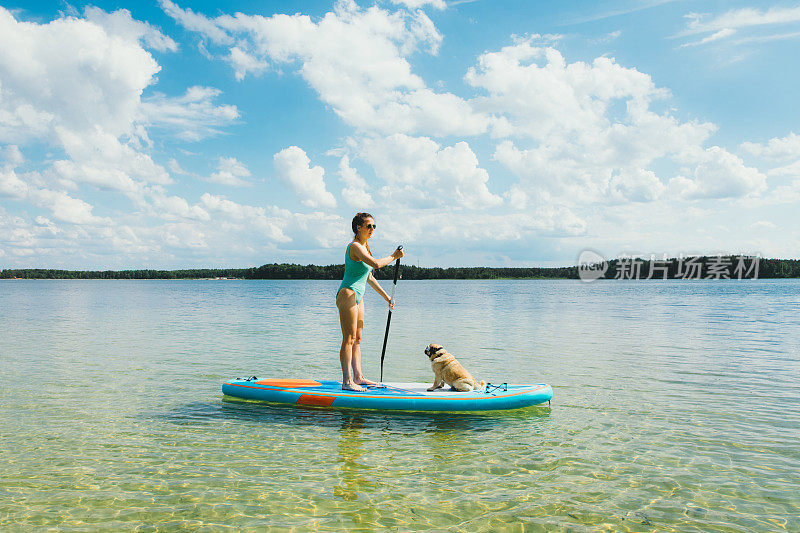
(676, 408)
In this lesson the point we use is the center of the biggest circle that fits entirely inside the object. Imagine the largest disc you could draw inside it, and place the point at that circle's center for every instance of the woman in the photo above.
(358, 266)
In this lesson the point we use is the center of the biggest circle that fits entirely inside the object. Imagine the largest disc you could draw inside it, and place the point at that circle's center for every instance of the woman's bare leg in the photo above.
(348, 317)
(358, 377)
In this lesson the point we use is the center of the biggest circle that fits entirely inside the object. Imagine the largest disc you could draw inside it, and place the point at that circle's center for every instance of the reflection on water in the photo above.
(403, 422)
(676, 408)
(354, 476)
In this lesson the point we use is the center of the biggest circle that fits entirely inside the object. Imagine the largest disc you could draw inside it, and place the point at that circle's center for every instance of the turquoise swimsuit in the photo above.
(355, 275)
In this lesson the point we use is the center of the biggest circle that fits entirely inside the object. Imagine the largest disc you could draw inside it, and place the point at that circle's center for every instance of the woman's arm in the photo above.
(361, 254)
(377, 286)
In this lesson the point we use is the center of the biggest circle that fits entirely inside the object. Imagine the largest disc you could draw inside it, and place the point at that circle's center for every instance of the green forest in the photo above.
(706, 267)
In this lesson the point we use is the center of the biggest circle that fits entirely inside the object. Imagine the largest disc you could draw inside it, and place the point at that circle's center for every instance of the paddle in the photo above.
(389, 320)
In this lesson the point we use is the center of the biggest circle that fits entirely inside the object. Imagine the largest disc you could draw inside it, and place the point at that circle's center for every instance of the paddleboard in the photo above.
(387, 396)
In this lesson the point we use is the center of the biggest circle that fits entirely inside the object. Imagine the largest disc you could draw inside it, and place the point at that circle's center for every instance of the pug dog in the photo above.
(447, 370)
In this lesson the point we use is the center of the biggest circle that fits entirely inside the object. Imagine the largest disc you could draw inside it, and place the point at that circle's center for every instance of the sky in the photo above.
(180, 134)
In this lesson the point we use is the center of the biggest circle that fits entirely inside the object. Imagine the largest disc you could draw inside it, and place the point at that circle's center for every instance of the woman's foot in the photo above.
(365, 381)
(352, 386)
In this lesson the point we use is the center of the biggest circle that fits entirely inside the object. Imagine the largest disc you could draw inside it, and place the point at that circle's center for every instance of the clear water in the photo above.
(677, 407)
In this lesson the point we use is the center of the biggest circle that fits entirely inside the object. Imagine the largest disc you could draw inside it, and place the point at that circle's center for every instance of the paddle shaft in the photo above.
(389, 319)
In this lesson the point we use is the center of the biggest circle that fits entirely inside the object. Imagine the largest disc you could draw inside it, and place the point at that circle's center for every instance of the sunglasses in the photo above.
(370, 226)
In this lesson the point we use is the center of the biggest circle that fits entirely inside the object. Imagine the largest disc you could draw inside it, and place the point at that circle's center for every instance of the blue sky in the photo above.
(180, 134)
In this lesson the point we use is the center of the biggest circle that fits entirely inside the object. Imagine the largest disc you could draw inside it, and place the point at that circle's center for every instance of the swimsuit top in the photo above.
(355, 275)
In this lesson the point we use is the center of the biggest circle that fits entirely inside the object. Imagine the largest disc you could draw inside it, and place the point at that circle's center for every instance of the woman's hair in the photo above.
(359, 220)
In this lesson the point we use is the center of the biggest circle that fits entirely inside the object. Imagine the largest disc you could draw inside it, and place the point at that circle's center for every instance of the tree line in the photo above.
(295, 271)
(706, 266)
(703, 267)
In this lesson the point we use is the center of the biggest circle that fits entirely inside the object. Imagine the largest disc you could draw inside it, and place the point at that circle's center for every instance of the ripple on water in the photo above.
(676, 408)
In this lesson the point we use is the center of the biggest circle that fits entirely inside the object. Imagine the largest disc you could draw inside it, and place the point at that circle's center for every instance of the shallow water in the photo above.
(676, 407)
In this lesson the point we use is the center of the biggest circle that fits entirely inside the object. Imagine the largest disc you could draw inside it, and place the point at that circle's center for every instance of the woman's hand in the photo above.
(397, 254)
(391, 304)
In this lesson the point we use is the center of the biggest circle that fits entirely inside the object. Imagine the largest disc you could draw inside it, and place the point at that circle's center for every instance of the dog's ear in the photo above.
(441, 351)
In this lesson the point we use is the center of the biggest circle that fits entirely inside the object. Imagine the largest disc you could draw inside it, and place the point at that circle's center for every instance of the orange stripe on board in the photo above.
(314, 399)
(289, 383)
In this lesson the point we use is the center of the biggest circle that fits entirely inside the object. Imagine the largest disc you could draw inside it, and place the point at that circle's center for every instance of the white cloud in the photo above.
(173, 207)
(782, 155)
(763, 225)
(16, 234)
(724, 26)
(791, 170)
(230, 208)
(425, 111)
(777, 148)
(292, 166)
(789, 193)
(213, 232)
(183, 235)
(317, 230)
(741, 18)
(76, 85)
(11, 185)
(194, 22)
(720, 174)
(446, 230)
(419, 172)
(607, 38)
(356, 193)
(354, 58)
(269, 222)
(21, 121)
(571, 139)
(68, 73)
(542, 96)
(675, 228)
(99, 158)
(417, 4)
(122, 24)
(244, 63)
(176, 168)
(65, 208)
(516, 197)
(635, 185)
(231, 171)
(192, 117)
(11, 156)
(565, 177)
(71, 85)
(44, 243)
(767, 38)
(583, 132)
(291, 231)
(721, 34)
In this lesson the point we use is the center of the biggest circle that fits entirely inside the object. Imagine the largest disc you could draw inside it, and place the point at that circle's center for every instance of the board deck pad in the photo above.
(388, 396)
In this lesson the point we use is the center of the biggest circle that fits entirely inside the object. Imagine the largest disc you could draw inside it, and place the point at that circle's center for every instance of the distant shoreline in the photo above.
(708, 267)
